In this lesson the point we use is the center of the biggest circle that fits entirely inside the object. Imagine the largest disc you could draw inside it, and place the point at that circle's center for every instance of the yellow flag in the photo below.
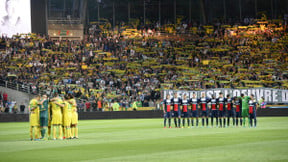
(205, 62)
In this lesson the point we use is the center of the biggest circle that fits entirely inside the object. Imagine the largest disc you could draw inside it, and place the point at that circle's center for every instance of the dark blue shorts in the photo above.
(185, 114)
(230, 113)
(253, 115)
(176, 113)
(238, 114)
(194, 113)
(167, 115)
(204, 113)
(221, 113)
(214, 113)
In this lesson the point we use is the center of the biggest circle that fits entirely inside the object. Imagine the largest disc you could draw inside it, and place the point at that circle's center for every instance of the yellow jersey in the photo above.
(67, 114)
(56, 112)
(34, 112)
(74, 108)
(67, 108)
(74, 111)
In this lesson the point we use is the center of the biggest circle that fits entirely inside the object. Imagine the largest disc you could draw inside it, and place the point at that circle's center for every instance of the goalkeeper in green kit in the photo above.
(245, 108)
(44, 116)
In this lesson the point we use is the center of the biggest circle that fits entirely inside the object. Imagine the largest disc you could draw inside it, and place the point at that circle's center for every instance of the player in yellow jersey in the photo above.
(34, 118)
(74, 125)
(67, 117)
(56, 121)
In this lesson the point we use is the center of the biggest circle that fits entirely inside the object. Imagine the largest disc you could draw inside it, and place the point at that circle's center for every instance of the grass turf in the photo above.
(146, 140)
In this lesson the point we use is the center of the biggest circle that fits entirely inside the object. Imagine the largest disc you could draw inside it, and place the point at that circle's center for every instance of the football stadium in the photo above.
(143, 80)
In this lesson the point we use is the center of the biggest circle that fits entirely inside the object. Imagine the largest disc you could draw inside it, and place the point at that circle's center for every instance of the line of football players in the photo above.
(220, 109)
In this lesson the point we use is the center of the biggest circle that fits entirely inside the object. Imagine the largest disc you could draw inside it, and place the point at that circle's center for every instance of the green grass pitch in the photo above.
(146, 140)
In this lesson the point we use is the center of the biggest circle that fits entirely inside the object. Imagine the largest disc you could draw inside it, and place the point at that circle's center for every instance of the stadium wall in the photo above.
(130, 115)
(19, 97)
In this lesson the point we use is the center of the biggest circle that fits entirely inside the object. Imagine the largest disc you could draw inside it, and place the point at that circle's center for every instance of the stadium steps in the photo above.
(18, 96)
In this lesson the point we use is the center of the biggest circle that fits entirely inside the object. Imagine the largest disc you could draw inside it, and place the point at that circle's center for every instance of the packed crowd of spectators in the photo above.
(109, 67)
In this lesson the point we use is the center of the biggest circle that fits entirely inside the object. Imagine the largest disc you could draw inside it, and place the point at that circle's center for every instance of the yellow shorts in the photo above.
(34, 120)
(74, 118)
(56, 118)
(67, 120)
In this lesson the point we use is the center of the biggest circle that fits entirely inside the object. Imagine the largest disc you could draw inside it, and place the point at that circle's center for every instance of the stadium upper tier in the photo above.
(115, 65)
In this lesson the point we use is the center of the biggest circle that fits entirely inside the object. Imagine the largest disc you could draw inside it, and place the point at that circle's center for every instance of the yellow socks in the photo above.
(36, 132)
(60, 132)
(54, 132)
(31, 133)
(76, 131)
(65, 132)
(68, 132)
(72, 131)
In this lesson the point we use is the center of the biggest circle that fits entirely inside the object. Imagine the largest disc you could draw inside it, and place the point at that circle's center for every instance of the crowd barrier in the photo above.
(130, 115)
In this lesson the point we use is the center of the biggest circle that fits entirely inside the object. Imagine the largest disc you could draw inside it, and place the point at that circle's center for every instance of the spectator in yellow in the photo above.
(134, 106)
(115, 106)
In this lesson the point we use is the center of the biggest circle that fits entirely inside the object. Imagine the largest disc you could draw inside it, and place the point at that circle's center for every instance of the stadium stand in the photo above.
(136, 67)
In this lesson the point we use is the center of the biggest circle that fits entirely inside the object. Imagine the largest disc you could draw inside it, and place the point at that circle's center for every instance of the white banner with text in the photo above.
(269, 94)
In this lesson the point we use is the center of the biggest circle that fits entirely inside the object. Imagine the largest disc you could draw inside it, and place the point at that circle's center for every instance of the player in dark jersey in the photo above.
(204, 108)
(221, 102)
(230, 111)
(167, 110)
(194, 109)
(176, 102)
(238, 110)
(252, 110)
(214, 110)
(185, 104)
